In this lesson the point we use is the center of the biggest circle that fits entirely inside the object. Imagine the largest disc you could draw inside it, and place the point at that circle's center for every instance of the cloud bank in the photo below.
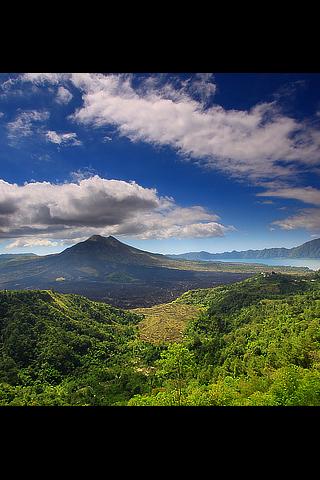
(307, 219)
(97, 205)
(31, 242)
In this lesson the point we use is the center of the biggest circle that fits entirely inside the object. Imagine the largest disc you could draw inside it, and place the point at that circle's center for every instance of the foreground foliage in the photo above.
(65, 350)
(257, 343)
(253, 343)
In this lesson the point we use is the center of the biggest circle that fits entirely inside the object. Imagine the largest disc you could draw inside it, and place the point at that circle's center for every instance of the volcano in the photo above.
(103, 268)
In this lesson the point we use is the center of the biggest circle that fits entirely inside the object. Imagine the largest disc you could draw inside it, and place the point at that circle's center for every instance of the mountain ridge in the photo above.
(310, 249)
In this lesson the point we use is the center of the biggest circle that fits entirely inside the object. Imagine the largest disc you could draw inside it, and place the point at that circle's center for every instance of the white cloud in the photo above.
(42, 78)
(30, 242)
(304, 194)
(97, 205)
(63, 96)
(259, 144)
(63, 139)
(256, 144)
(307, 219)
(201, 86)
(191, 230)
(82, 173)
(23, 125)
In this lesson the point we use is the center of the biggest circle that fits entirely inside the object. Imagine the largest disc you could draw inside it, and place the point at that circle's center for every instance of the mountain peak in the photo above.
(98, 252)
(100, 238)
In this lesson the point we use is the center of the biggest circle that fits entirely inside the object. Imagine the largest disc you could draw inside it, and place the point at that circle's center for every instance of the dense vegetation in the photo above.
(65, 350)
(255, 342)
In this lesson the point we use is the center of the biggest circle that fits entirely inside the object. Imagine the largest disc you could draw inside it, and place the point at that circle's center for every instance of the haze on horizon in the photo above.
(168, 163)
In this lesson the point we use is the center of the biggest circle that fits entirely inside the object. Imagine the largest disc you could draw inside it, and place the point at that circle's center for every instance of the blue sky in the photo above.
(165, 162)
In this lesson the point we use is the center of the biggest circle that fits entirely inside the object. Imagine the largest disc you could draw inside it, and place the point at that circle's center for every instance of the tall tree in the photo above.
(177, 365)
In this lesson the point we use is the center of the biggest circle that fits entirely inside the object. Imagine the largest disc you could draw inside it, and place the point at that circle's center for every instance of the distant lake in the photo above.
(313, 264)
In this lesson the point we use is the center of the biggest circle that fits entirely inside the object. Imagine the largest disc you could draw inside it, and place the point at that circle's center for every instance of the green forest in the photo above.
(252, 343)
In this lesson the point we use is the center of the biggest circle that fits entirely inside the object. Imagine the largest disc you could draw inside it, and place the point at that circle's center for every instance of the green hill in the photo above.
(63, 350)
(256, 343)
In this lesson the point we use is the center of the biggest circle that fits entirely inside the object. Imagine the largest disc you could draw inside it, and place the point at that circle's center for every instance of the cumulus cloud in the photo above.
(63, 139)
(63, 96)
(94, 205)
(31, 242)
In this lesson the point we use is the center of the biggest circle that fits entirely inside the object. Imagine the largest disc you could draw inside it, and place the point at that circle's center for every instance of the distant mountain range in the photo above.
(309, 249)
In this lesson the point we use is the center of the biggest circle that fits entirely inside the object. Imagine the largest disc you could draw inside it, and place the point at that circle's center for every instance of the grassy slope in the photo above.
(256, 342)
(165, 322)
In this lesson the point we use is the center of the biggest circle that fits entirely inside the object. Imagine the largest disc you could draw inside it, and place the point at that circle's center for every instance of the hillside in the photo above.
(254, 342)
(15, 258)
(57, 349)
(166, 322)
(309, 249)
(99, 250)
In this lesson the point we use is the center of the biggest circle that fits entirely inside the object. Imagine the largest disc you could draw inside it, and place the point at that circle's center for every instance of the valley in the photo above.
(103, 323)
(249, 343)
